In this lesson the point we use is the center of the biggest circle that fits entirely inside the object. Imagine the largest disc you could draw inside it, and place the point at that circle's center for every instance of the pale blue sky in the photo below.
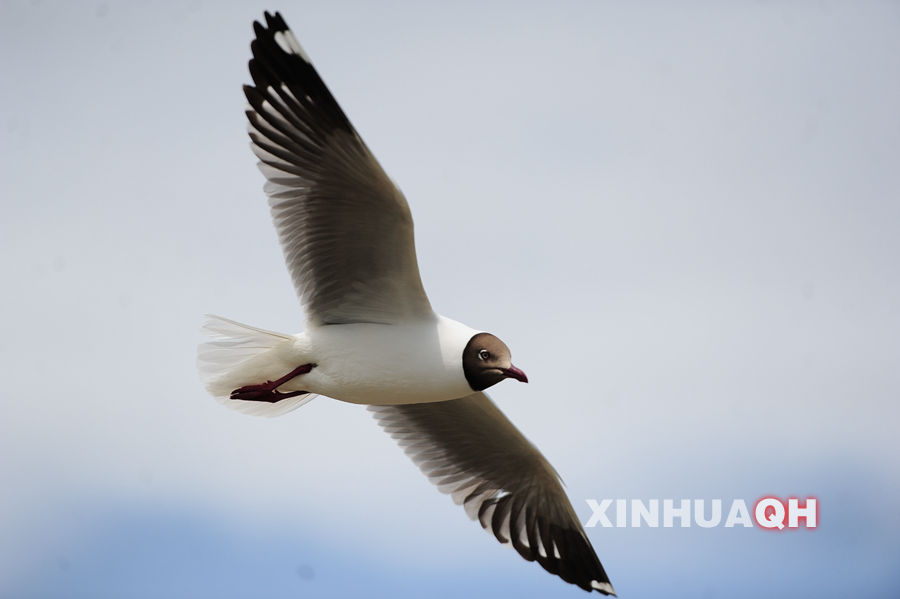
(694, 223)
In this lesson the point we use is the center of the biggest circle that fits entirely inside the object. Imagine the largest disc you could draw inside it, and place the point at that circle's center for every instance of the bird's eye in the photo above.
(484, 355)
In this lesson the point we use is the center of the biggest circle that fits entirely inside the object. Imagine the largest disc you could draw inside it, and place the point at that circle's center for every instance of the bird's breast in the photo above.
(389, 364)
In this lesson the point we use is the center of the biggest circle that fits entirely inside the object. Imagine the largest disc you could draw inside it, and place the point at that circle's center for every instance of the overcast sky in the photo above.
(684, 221)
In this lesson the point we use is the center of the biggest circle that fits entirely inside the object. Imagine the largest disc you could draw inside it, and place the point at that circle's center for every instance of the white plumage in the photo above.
(371, 336)
(376, 364)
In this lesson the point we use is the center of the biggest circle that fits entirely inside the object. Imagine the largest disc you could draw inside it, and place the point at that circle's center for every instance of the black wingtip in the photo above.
(276, 22)
(259, 30)
(287, 89)
(604, 588)
(252, 95)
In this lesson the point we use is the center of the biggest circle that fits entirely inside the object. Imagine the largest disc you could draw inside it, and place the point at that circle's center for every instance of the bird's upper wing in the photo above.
(346, 230)
(469, 449)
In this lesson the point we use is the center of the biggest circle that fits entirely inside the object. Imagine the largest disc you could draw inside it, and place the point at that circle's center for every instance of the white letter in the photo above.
(650, 515)
(683, 512)
(738, 514)
(776, 520)
(716, 517)
(807, 512)
(621, 514)
(599, 514)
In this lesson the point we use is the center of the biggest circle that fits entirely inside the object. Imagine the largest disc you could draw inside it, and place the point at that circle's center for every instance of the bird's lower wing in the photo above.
(470, 450)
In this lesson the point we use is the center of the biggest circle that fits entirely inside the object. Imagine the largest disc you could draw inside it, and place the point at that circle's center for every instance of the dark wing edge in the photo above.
(471, 451)
(279, 62)
(345, 228)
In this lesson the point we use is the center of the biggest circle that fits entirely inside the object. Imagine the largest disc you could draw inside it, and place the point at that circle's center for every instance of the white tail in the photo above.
(234, 356)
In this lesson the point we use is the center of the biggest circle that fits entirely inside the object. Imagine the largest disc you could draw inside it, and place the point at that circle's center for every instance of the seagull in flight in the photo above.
(371, 335)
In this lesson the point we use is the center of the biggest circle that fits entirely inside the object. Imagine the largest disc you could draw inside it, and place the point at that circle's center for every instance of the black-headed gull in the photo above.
(372, 337)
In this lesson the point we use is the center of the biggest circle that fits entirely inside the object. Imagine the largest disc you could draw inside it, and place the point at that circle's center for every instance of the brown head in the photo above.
(486, 361)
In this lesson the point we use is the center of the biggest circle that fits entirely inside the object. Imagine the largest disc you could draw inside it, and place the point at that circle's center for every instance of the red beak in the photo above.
(514, 373)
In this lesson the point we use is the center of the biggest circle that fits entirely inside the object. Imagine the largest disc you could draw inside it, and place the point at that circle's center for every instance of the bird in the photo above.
(371, 335)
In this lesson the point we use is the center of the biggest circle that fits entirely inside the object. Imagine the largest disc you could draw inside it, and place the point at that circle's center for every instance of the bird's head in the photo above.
(486, 362)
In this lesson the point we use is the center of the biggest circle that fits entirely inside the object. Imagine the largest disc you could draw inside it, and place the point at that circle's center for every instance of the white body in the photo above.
(347, 235)
(376, 364)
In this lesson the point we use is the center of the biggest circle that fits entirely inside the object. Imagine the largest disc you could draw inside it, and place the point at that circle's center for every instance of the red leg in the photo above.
(267, 391)
(266, 396)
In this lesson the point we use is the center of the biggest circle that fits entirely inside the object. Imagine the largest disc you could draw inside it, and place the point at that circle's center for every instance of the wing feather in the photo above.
(470, 450)
(346, 230)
